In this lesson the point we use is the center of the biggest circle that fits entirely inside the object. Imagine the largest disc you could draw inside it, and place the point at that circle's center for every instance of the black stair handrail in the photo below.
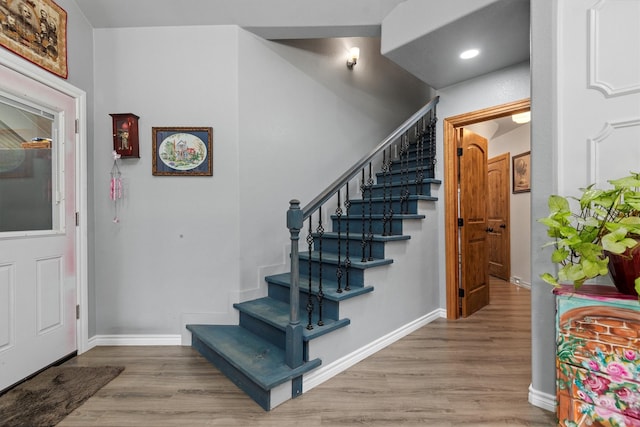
(296, 217)
(332, 189)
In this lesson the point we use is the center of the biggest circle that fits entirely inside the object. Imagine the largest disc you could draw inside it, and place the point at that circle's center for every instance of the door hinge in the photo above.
(77, 219)
(461, 293)
(460, 222)
(77, 311)
(459, 151)
(77, 126)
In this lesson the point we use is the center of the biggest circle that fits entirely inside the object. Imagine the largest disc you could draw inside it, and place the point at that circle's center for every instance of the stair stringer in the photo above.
(406, 292)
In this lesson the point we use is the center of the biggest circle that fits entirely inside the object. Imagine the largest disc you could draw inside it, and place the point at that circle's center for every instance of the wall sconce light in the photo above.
(125, 134)
(522, 118)
(354, 54)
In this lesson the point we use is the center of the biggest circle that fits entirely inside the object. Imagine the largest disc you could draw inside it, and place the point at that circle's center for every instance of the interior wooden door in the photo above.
(474, 260)
(498, 214)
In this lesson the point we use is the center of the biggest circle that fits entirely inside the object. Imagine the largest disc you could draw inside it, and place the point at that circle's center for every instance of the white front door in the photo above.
(38, 282)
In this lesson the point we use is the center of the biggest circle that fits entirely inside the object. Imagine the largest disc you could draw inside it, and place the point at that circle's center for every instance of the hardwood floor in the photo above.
(470, 372)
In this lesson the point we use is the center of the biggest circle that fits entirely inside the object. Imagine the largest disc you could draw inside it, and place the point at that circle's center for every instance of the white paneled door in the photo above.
(38, 283)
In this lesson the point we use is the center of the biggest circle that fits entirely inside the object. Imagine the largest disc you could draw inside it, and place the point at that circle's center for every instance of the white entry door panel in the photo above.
(38, 283)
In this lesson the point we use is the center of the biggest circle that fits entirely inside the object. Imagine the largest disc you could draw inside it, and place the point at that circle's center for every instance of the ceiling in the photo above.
(500, 30)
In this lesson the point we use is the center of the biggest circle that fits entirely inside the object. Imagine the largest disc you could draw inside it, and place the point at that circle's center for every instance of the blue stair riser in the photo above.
(356, 275)
(413, 162)
(379, 207)
(269, 332)
(260, 396)
(398, 189)
(330, 308)
(394, 226)
(330, 245)
(396, 174)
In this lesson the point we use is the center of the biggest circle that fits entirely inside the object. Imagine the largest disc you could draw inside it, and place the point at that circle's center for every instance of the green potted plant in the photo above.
(599, 236)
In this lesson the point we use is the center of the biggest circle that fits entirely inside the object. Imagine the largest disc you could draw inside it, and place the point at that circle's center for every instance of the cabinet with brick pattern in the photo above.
(598, 357)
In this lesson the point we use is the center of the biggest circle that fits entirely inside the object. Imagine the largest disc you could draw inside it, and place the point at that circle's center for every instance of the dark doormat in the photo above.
(47, 398)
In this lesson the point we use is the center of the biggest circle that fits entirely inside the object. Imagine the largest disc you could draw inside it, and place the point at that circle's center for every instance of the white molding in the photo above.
(596, 80)
(542, 400)
(33, 72)
(325, 373)
(607, 130)
(128, 340)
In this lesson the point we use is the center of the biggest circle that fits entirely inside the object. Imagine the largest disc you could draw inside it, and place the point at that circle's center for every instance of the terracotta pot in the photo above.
(624, 269)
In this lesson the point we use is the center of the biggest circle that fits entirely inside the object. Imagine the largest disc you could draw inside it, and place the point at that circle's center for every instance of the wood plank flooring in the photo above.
(470, 372)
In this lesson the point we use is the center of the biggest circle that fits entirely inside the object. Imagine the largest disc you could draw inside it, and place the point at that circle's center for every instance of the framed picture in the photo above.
(521, 171)
(37, 31)
(182, 151)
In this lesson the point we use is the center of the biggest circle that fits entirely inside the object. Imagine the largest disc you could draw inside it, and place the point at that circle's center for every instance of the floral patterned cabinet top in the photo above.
(598, 357)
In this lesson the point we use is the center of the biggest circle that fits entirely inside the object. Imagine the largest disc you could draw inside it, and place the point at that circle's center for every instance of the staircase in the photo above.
(269, 351)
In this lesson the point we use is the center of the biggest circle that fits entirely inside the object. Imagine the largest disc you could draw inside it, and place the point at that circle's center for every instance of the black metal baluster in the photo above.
(419, 155)
(432, 143)
(370, 237)
(390, 215)
(347, 259)
(339, 268)
(363, 243)
(404, 165)
(384, 192)
(310, 296)
(320, 231)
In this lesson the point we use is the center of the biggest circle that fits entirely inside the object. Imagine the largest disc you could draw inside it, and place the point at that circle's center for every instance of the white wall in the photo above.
(306, 118)
(288, 118)
(175, 249)
(503, 86)
(516, 142)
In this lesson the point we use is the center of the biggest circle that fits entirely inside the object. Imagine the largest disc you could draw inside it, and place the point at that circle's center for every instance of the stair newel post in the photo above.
(294, 344)
(347, 259)
(370, 235)
(339, 267)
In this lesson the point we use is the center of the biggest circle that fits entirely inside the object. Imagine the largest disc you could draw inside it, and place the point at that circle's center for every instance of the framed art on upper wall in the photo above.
(521, 170)
(182, 151)
(37, 31)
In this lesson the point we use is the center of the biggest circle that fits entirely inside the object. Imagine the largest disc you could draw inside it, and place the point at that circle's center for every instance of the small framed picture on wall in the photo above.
(521, 171)
(182, 151)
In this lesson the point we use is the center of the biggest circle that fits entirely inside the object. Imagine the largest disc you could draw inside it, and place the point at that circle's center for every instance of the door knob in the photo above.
(503, 225)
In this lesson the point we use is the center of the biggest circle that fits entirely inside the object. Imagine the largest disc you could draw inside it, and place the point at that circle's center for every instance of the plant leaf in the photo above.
(558, 204)
(550, 279)
(559, 255)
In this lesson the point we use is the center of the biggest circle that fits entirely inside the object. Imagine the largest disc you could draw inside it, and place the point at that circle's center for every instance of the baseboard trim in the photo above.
(542, 400)
(325, 373)
(128, 340)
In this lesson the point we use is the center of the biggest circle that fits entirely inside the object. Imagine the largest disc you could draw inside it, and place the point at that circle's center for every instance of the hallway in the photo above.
(474, 372)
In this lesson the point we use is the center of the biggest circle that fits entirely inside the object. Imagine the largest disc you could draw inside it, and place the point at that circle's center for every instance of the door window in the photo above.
(29, 196)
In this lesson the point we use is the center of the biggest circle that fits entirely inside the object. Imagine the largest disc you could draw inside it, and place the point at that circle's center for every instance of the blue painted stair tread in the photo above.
(328, 258)
(358, 237)
(329, 288)
(250, 354)
(276, 313)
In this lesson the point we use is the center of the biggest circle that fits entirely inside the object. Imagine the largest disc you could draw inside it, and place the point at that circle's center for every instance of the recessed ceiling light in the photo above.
(468, 54)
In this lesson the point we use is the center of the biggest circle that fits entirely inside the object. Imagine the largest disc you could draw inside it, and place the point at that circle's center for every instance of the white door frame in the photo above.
(29, 70)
